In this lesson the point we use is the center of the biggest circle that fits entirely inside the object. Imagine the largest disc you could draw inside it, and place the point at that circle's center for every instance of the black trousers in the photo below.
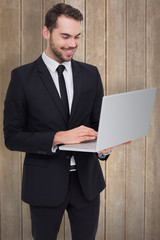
(83, 215)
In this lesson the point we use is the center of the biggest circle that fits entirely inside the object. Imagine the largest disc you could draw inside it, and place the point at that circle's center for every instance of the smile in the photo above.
(69, 50)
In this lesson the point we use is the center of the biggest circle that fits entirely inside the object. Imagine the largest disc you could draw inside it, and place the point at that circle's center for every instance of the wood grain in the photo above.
(95, 54)
(152, 203)
(120, 37)
(10, 166)
(116, 82)
(135, 163)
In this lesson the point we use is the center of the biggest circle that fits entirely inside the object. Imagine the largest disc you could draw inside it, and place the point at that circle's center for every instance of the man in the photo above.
(47, 105)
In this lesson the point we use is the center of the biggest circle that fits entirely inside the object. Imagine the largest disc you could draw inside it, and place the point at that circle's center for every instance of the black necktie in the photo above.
(63, 90)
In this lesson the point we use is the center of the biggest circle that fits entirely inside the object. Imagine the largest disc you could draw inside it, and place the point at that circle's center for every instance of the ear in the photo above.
(46, 33)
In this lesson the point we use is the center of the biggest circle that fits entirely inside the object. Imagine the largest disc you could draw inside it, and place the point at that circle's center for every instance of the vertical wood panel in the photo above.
(47, 4)
(9, 162)
(120, 37)
(135, 164)
(152, 206)
(116, 46)
(31, 47)
(80, 53)
(95, 54)
(31, 30)
(116, 82)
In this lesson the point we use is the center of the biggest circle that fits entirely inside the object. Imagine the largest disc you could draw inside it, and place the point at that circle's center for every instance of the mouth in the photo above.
(69, 51)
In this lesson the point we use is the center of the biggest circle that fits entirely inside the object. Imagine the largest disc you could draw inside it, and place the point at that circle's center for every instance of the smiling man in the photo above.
(51, 101)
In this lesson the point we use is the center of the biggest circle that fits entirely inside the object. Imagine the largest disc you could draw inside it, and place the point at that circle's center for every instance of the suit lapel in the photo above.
(77, 88)
(50, 86)
(52, 90)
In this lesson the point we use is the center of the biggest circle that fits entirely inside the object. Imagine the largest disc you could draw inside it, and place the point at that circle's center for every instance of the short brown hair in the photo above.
(58, 10)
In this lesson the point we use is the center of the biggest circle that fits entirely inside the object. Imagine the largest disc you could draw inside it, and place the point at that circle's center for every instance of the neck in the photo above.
(50, 54)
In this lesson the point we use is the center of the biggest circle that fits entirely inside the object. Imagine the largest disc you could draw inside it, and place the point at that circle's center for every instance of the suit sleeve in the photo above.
(16, 136)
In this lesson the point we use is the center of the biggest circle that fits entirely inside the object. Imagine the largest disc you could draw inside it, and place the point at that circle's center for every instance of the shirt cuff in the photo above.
(54, 149)
(103, 156)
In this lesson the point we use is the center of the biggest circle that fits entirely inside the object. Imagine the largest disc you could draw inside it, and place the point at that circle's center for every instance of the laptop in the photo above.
(124, 117)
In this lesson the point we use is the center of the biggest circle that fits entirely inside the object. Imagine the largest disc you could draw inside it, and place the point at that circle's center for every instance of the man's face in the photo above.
(64, 40)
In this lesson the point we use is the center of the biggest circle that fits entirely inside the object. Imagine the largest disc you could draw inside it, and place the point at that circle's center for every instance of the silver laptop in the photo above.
(124, 117)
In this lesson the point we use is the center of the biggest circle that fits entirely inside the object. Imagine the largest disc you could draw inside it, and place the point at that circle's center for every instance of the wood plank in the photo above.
(116, 46)
(47, 4)
(116, 82)
(135, 164)
(31, 30)
(80, 53)
(95, 35)
(31, 48)
(132, 205)
(95, 54)
(152, 203)
(10, 168)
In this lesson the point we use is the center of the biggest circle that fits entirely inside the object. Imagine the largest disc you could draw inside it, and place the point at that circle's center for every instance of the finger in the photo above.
(87, 138)
(126, 143)
(87, 129)
(129, 142)
(106, 151)
(88, 132)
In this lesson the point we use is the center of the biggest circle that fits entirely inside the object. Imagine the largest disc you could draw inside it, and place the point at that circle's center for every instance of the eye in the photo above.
(77, 37)
(64, 37)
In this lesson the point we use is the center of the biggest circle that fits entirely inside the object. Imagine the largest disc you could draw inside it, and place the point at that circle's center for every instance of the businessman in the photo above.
(52, 101)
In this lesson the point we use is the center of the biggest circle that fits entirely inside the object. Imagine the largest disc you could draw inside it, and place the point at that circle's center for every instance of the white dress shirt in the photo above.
(68, 77)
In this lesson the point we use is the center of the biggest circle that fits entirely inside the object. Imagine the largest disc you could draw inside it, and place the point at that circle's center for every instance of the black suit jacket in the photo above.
(33, 114)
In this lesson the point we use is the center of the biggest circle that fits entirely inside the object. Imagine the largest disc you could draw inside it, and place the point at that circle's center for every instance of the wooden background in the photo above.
(121, 37)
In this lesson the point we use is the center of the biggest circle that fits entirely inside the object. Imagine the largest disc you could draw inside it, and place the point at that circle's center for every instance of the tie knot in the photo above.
(60, 69)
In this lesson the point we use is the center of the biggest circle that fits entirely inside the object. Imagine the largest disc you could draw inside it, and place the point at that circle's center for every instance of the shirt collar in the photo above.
(52, 64)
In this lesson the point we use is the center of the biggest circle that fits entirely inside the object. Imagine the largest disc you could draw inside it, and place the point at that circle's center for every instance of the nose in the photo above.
(72, 43)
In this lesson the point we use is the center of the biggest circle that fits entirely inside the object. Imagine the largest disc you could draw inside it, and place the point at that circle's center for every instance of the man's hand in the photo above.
(76, 135)
(109, 150)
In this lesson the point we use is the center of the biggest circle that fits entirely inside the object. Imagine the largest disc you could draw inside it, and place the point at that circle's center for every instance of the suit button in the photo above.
(68, 157)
